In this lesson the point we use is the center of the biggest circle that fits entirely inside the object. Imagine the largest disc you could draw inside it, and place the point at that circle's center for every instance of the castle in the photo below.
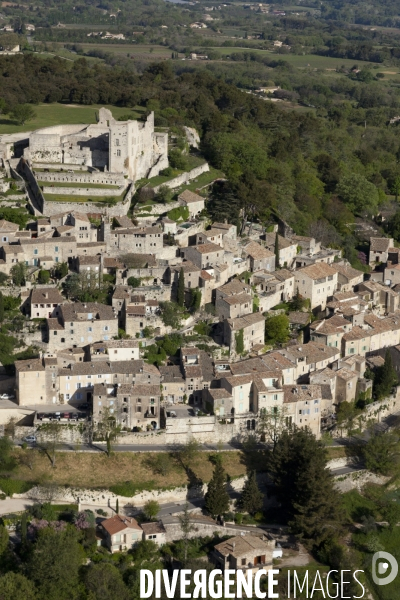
(131, 148)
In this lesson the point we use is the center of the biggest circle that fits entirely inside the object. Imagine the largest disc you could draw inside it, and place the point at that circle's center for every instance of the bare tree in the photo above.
(9, 427)
(50, 436)
(107, 428)
(29, 457)
(186, 528)
(272, 422)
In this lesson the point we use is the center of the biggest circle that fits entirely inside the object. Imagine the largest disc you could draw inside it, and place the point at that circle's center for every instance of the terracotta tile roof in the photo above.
(240, 545)
(283, 274)
(190, 197)
(356, 334)
(380, 244)
(234, 287)
(136, 311)
(32, 364)
(153, 528)
(238, 299)
(219, 393)
(8, 226)
(89, 260)
(46, 295)
(282, 242)
(301, 393)
(348, 272)
(246, 321)
(206, 276)
(298, 318)
(317, 271)
(118, 523)
(208, 248)
(257, 251)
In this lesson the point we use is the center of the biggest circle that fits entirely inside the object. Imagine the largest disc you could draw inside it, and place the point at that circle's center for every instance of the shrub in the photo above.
(129, 489)
(14, 486)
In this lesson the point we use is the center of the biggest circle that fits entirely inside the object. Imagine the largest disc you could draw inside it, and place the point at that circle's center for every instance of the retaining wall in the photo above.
(183, 178)
(75, 191)
(53, 208)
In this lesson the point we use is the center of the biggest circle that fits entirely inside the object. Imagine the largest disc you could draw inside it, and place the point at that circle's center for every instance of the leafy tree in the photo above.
(380, 452)
(163, 195)
(358, 193)
(385, 377)
(160, 463)
(85, 287)
(345, 417)
(217, 498)
(298, 302)
(134, 282)
(251, 499)
(393, 225)
(186, 527)
(24, 527)
(277, 259)
(304, 485)
(171, 314)
(151, 509)
(61, 270)
(18, 273)
(277, 329)
(14, 586)
(4, 539)
(271, 424)
(104, 582)
(22, 113)
(54, 563)
(181, 288)
(177, 160)
(239, 341)
(7, 460)
(145, 555)
(396, 188)
(43, 276)
(391, 514)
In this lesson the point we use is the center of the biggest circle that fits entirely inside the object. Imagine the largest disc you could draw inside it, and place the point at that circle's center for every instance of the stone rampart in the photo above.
(184, 177)
(82, 177)
(53, 208)
(75, 191)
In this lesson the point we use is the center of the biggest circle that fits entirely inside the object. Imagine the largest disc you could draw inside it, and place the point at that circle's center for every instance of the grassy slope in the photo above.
(98, 471)
(61, 114)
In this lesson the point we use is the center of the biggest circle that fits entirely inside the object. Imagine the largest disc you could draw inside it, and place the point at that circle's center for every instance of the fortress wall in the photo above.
(89, 192)
(79, 177)
(121, 208)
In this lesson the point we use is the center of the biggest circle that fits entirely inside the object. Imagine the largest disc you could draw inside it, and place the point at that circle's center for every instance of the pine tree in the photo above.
(181, 288)
(1, 307)
(277, 251)
(117, 507)
(251, 499)
(297, 302)
(217, 498)
(304, 486)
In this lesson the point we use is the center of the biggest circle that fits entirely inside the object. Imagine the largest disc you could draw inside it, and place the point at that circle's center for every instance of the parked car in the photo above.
(81, 417)
(172, 413)
(31, 439)
(83, 406)
(40, 416)
(66, 415)
(7, 396)
(73, 417)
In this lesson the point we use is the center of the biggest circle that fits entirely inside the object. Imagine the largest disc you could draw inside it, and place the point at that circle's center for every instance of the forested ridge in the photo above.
(317, 173)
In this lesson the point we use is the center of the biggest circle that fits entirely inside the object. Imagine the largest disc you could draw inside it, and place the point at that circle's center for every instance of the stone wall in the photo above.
(184, 178)
(74, 191)
(54, 208)
(83, 177)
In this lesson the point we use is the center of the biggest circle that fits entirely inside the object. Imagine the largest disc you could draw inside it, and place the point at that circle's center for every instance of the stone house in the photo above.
(33, 382)
(120, 533)
(132, 405)
(90, 265)
(346, 385)
(308, 245)
(330, 331)
(253, 327)
(140, 240)
(8, 231)
(43, 302)
(197, 370)
(302, 406)
(392, 274)
(78, 324)
(192, 201)
(73, 223)
(287, 249)
(114, 350)
(213, 236)
(316, 283)
(379, 250)
(204, 255)
(348, 277)
(356, 341)
(308, 358)
(173, 383)
(154, 532)
(137, 316)
(244, 553)
(219, 402)
(191, 275)
(233, 288)
(241, 390)
(235, 306)
(260, 257)
(379, 297)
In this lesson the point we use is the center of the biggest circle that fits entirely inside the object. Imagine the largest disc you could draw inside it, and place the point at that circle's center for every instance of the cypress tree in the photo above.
(181, 288)
(24, 528)
(386, 377)
(217, 498)
(117, 507)
(251, 499)
(276, 250)
(1, 307)
(304, 486)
